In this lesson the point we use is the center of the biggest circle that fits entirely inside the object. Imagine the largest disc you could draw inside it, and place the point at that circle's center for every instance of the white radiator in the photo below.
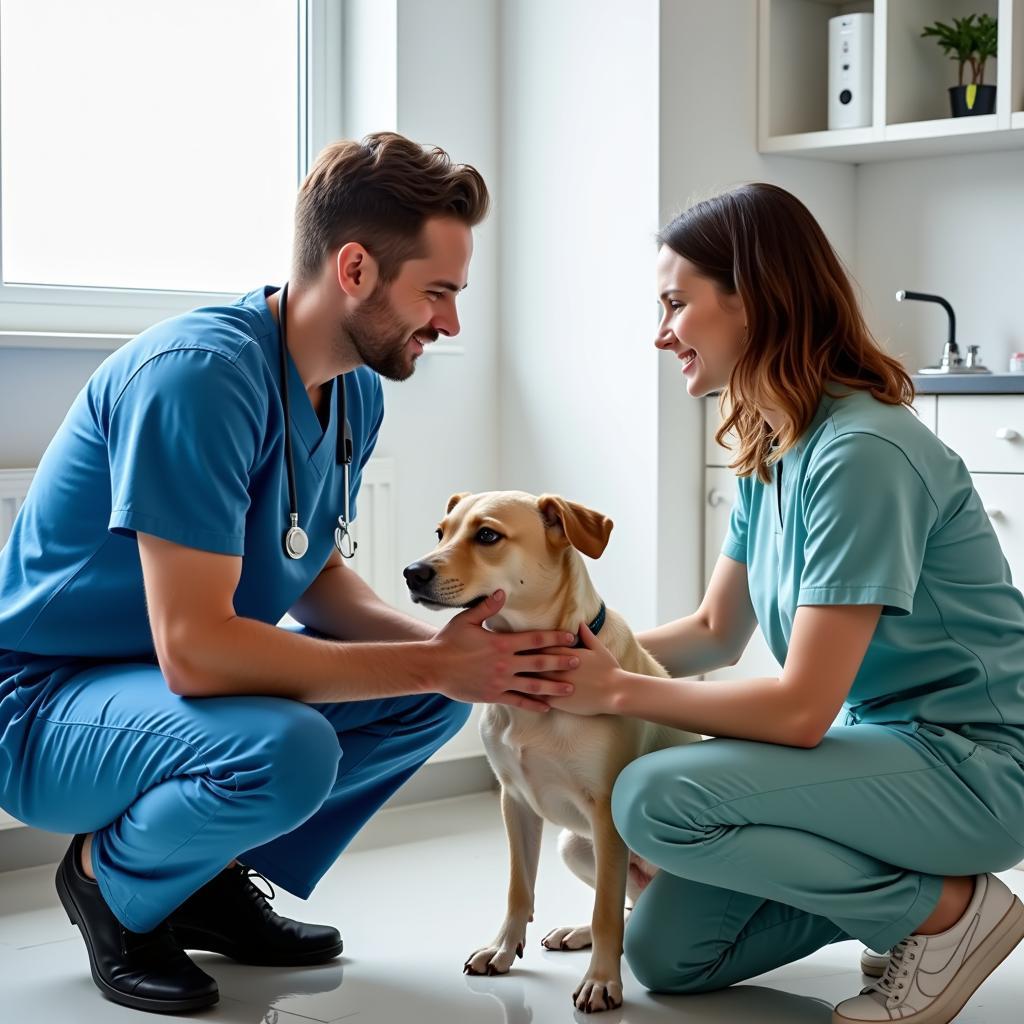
(13, 488)
(373, 530)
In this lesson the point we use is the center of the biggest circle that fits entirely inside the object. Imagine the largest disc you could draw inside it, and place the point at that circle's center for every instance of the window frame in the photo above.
(80, 316)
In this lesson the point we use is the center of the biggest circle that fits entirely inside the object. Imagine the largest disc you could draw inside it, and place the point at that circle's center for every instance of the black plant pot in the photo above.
(972, 99)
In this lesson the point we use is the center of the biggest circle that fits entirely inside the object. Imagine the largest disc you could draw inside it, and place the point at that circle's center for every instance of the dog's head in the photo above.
(506, 540)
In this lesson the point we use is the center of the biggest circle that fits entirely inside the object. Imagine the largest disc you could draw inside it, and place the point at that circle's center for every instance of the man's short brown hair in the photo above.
(379, 192)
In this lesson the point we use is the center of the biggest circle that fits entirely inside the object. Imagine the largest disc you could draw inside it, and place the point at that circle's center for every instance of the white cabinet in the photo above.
(719, 493)
(986, 431)
(910, 81)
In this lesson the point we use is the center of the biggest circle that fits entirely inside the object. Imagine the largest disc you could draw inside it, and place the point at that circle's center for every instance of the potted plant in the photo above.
(971, 40)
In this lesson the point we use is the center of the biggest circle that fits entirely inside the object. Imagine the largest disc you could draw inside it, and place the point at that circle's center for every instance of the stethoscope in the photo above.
(296, 543)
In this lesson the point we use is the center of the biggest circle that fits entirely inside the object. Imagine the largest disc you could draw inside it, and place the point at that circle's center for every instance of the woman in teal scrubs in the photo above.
(859, 545)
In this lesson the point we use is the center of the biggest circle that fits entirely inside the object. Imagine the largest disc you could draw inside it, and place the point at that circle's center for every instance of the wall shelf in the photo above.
(910, 82)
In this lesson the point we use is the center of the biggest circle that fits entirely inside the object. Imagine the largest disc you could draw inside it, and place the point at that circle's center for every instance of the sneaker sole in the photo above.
(111, 993)
(871, 970)
(994, 949)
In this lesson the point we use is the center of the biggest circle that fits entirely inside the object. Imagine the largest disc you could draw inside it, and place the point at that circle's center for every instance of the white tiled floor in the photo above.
(410, 910)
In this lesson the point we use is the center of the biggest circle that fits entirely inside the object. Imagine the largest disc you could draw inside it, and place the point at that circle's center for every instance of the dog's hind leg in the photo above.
(523, 827)
(578, 853)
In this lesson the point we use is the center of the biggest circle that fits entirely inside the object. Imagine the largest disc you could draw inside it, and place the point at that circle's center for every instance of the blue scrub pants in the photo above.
(175, 787)
(770, 852)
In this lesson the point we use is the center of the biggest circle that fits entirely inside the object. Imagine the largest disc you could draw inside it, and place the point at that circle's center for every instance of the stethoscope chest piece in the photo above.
(296, 543)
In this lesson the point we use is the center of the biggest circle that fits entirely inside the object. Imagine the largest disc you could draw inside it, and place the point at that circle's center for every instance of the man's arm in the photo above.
(204, 649)
(341, 604)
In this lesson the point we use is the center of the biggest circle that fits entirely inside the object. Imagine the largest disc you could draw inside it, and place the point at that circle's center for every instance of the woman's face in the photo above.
(704, 327)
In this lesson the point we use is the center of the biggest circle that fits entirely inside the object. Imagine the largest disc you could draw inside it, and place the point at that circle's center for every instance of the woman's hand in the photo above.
(597, 680)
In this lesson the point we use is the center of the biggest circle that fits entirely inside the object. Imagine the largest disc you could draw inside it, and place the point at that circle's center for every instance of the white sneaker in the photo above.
(872, 963)
(929, 978)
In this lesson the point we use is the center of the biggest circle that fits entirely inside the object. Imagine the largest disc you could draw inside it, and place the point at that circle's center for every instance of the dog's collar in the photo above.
(594, 625)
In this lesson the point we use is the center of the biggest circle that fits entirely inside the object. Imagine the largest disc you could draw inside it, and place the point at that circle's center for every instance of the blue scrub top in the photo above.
(872, 508)
(178, 434)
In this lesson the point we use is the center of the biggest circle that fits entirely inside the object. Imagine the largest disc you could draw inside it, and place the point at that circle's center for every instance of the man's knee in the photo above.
(302, 755)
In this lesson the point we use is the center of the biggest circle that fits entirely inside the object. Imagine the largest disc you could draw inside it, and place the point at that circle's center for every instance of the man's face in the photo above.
(390, 329)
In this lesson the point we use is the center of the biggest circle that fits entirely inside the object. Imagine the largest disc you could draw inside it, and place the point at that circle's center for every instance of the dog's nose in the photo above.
(419, 574)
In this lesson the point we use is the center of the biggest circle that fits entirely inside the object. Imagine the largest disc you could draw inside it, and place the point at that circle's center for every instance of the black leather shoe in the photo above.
(143, 970)
(229, 915)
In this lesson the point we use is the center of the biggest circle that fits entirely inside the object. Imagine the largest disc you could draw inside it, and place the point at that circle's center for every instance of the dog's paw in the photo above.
(492, 960)
(567, 938)
(596, 994)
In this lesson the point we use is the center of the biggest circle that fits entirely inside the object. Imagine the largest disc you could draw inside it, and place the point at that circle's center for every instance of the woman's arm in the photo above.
(796, 709)
(716, 634)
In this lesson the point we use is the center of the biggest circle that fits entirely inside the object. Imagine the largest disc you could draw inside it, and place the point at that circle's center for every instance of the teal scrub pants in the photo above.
(768, 852)
(175, 787)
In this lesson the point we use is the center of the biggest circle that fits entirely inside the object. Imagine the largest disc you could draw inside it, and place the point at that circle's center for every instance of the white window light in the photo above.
(150, 151)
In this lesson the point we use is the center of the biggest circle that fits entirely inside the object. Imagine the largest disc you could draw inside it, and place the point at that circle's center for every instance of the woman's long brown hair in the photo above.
(805, 327)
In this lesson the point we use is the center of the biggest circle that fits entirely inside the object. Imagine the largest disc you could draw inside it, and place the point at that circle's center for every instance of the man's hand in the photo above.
(479, 666)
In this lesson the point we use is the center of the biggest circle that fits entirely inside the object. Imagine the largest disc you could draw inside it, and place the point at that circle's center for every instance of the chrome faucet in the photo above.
(952, 361)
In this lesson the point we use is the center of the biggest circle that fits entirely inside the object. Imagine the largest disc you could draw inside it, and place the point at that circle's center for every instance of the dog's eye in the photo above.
(440, 535)
(487, 536)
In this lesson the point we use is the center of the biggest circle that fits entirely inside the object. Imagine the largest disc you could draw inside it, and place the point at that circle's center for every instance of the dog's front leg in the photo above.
(523, 827)
(601, 987)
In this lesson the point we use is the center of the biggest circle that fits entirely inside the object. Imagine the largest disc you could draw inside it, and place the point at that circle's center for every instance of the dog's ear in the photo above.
(585, 529)
(455, 499)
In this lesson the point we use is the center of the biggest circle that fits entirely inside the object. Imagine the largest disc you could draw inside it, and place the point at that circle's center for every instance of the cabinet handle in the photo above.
(1007, 434)
(716, 498)
(993, 513)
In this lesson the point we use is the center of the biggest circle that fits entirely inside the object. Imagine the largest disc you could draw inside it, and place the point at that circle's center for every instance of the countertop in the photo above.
(969, 383)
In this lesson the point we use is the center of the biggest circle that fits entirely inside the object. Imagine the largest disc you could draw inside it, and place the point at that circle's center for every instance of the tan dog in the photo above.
(555, 765)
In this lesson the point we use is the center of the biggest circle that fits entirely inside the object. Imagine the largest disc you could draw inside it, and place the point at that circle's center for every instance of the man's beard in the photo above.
(380, 337)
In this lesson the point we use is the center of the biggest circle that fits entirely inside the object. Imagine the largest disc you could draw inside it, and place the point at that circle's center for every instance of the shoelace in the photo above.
(891, 985)
(254, 893)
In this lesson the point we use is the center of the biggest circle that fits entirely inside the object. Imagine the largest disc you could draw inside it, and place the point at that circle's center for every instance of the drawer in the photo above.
(986, 431)
(1003, 498)
(714, 453)
(926, 407)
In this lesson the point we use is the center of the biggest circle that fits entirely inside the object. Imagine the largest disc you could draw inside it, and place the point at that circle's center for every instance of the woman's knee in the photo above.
(655, 799)
(657, 964)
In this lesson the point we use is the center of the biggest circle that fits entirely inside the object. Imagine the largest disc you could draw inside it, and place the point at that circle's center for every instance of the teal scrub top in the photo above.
(179, 434)
(870, 507)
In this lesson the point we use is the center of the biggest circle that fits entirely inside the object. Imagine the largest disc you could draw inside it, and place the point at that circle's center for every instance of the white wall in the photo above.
(953, 226)
(441, 426)
(708, 136)
(579, 208)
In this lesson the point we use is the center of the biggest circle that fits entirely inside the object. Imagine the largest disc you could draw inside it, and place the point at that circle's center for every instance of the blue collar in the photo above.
(594, 625)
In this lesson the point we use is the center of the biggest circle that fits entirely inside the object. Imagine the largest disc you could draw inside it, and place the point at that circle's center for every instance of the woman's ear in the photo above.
(586, 530)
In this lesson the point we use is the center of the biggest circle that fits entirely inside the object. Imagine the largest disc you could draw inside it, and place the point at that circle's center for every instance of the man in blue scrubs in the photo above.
(149, 702)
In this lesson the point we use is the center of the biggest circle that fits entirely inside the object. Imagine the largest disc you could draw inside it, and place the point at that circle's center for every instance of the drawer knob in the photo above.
(716, 498)
(1007, 434)
(993, 513)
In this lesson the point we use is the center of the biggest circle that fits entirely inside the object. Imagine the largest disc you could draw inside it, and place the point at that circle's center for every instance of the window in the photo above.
(150, 147)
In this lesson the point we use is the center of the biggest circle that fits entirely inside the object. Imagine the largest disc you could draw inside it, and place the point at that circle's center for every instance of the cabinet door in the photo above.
(719, 494)
(1002, 494)
(986, 431)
